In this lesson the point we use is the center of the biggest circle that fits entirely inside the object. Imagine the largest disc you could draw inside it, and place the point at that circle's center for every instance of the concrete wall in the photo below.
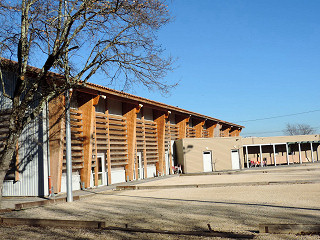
(190, 153)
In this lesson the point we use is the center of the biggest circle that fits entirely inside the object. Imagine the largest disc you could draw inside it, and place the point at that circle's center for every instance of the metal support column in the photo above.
(287, 150)
(274, 155)
(247, 157)
(68, 149)
(261, 160)
(300, 158)
(312, 152)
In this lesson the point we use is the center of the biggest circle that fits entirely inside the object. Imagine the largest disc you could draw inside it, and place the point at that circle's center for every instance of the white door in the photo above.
(235, 159)
(207, 161)
(140, 166)
(102, 174)
(167, 160)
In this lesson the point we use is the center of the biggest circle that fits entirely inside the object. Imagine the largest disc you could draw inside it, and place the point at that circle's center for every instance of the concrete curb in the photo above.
(136, 187)
(248, 171)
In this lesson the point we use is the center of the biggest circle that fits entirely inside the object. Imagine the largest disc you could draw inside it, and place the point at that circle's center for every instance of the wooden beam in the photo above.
(160, 119)
(56, 140)
(289, 228)
(53, 223)
(234, 132)
(145, 163)
(130, 112)
(182, 122)
(88, 110)
(199, 127)
(108, 144)
(224, 131)
(210, 128)
(96, 100)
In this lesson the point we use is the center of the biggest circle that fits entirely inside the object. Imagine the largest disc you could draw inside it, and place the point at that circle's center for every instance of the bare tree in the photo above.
(76, 38)
(298, 129)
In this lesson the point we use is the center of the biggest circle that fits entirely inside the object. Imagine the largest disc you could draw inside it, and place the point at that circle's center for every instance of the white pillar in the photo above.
(300, 158)
(68, 149)
(274, 155)
(312, 152)
(261, 161)
(247, 157)
(287, 150)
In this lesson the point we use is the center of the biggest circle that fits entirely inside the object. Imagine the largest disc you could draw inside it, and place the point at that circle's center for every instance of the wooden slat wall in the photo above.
(172, 133)
(140, 133)
(191, 132)
(147, 140)
(100, 134)
(111, 134)
(76, 140)
(205, 133)
(150, 129)
(118, 140)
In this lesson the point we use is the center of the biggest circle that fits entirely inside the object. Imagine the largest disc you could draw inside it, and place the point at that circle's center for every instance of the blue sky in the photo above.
(240, 60)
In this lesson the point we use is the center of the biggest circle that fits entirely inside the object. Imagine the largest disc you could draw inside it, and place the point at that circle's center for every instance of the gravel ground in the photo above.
(234, 209)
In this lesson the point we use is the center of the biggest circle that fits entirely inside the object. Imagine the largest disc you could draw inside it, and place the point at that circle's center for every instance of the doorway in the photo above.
(235, 160)
(207, 161)
(140, 166)
(102, 174)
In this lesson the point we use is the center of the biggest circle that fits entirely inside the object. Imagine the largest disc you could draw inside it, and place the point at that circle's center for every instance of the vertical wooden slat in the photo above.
(144, 148)
(170, 152)
(130, 112)
(86, 103)
(199, 128)
(96, 155)
(160, 119)
(56, 140)
(210, 129)
(182, 125)
(108, 150)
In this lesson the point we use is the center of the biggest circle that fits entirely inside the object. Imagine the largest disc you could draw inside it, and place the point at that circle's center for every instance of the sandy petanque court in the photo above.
(293, 197)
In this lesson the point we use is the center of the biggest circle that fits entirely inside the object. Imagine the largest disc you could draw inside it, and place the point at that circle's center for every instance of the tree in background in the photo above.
(77, 39)
(298, 129)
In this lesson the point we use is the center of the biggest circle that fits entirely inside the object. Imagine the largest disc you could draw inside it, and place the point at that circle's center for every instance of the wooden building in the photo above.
(116, 137)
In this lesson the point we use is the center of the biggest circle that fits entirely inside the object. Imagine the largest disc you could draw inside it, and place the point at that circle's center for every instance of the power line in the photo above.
(252, 133)
(280, 116)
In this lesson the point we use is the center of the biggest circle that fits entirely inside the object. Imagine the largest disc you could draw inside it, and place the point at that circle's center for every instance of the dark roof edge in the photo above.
(152, 102)
(125, 95)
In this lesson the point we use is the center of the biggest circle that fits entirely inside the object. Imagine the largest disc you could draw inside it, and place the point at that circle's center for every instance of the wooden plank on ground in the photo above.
(25, 205)
(52, 222)
(289, 228)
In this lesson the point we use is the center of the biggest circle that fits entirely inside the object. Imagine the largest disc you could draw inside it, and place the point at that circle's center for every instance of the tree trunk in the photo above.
(6, 158)
(2, 175)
